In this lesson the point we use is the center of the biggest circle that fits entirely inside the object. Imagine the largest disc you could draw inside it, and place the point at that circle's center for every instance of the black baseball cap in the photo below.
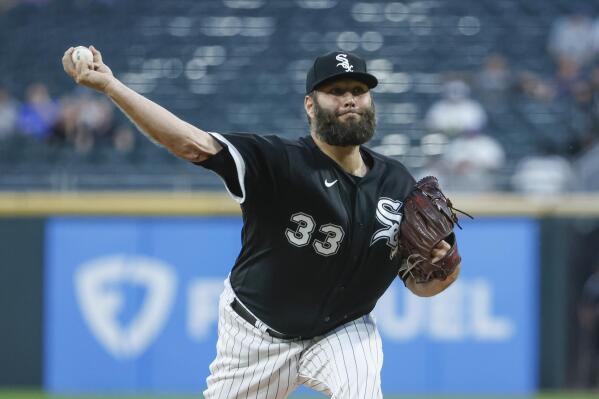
(337, 64)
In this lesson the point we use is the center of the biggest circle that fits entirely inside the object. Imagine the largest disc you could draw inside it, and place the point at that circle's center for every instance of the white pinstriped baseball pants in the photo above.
(344, 363)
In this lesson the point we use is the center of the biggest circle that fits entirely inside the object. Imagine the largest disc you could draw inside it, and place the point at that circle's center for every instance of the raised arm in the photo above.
(161, 126)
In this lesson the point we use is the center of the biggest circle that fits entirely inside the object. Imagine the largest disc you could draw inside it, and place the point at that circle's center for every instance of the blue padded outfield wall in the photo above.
(131, 306)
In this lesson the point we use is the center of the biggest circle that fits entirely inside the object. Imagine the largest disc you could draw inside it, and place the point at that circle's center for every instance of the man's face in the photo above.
(342, 112)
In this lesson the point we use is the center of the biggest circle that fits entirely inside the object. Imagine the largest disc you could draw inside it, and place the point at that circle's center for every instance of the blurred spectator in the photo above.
(8, 114)
(582, 120)
(469, 158)
(553, 123)
(571, 37)
(474, 159)
(495, 79)
(86, 121)
(124, 139)
(577, 99)
(567, 76)
(469, 163)
(543, 174)
(96, 115)
(595, 37)
(456, 113)
(587, 168)
(594, 81)
(39, 113)
(588, 339)
(534, 87)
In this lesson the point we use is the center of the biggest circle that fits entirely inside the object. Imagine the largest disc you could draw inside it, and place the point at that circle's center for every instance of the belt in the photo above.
(247, 316)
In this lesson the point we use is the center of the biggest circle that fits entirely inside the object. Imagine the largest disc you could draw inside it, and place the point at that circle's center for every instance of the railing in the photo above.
(219, 203)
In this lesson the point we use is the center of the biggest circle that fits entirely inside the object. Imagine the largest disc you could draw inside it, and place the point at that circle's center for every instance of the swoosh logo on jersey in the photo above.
(328, 183)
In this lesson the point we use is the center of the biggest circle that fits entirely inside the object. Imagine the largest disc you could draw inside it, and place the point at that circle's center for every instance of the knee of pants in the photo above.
(369, 389)
(361, 384)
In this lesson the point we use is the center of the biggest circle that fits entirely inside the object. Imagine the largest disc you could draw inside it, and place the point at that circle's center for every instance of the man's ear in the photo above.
(309, 105)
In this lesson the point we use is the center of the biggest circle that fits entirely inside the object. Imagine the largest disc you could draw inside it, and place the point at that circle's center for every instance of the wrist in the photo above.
(110, 87)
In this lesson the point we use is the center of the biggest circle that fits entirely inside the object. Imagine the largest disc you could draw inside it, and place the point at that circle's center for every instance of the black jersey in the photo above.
(317, 242)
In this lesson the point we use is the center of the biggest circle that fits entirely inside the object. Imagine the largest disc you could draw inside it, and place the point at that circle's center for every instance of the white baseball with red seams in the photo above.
(82, 54)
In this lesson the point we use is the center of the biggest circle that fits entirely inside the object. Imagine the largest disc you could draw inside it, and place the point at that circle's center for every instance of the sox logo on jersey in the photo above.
(388, 214)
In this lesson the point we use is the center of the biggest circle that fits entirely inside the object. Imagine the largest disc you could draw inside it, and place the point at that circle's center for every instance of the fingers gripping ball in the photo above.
(428, 218)
(82, 54)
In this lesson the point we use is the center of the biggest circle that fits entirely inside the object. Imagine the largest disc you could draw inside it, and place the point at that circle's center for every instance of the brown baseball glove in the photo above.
(428, 218)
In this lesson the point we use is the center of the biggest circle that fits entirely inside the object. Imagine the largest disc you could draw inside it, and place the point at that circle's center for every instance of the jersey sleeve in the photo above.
(248, 164)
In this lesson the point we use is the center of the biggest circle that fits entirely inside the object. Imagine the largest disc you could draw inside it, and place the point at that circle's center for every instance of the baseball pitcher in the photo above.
(328, 225)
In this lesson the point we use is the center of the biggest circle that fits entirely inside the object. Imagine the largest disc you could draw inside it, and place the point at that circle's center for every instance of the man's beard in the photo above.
(352, 132)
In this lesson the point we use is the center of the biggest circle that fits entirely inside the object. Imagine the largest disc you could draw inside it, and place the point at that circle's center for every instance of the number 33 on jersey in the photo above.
(305, 227)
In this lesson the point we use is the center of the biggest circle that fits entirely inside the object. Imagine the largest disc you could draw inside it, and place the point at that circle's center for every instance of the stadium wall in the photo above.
(527, 248)
(21, 290)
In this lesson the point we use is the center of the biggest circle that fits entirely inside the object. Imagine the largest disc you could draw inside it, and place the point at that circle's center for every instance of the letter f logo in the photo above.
(100, 293)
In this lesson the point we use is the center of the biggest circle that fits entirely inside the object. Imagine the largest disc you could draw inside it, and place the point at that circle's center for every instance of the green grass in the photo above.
(36, 394)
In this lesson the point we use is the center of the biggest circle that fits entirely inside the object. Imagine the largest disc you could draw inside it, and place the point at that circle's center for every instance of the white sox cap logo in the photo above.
(344, 62)
(388, 214)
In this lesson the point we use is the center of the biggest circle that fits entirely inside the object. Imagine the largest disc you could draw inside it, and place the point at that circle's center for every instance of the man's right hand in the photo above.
(96, 76)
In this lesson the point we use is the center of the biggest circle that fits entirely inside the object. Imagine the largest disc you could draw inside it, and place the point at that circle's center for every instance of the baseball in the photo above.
(82, 54)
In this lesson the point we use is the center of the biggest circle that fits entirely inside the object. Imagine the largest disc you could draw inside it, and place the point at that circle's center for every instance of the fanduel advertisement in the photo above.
(131, 306)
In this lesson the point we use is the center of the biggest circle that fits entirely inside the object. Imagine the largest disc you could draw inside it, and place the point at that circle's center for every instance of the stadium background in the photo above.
(515, 85)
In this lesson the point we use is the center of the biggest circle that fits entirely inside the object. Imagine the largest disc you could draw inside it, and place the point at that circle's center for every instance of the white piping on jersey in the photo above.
(239, 164)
